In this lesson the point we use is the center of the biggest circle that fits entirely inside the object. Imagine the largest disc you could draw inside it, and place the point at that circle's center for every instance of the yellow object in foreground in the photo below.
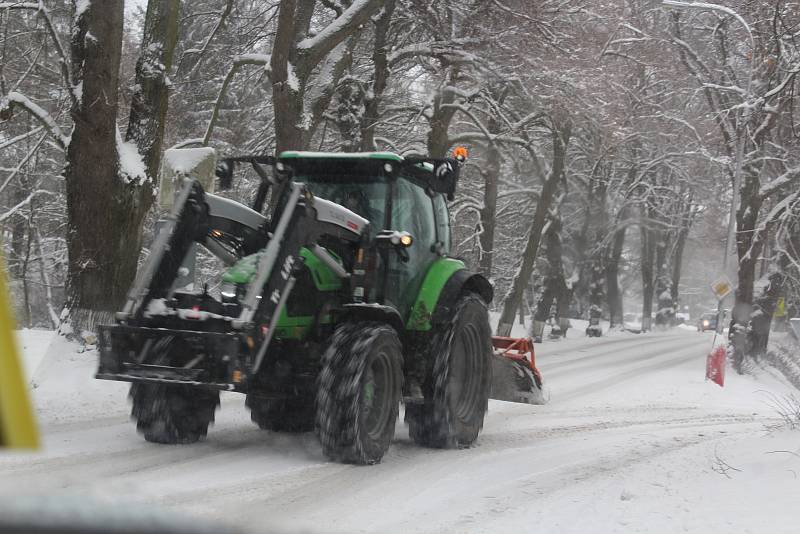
(17, 423)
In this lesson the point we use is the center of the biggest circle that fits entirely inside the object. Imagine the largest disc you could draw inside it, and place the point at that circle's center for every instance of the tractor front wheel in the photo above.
(173, 414)
(458, 385)
(359, 392)
(167, 413)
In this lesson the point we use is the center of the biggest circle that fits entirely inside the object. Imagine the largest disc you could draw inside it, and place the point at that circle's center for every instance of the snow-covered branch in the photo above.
(15, 99)
(313, 49)
(238, 62)
(21, 204)
(44, 14)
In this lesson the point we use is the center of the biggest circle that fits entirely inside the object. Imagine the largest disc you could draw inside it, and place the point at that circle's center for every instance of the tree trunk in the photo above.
(612, 278)
(380, 78)
(677, 263)
(771, 287)
(438, 136)
(560, 137)
(151, 96)
(491, 176)
(555, 285)
(287, 101)
(663, 291)
(106, 206)
(648, 251)
(100, 270)
(748, 249)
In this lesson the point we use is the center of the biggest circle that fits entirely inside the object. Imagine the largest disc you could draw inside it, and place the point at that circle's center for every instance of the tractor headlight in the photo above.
(705, 322)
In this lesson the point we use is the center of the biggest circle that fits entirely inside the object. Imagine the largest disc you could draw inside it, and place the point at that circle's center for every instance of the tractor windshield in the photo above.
(364, 195)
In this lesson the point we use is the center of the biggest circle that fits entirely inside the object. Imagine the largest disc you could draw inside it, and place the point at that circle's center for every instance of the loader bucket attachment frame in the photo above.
(515, 375)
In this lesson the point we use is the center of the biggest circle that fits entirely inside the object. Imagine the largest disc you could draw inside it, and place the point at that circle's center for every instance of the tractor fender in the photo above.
(372, 312)
(444, 283)
(460, 282)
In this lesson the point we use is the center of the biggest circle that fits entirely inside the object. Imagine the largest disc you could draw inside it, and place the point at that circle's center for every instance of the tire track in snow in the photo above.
(414, 486)
(298, 486)
(561, 359)
(588, 364)
(609, 381)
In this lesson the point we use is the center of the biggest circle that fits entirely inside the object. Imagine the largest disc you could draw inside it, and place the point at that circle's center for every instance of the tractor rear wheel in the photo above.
(172, 414)
(458, 385)
(359, 391)
(282, 415)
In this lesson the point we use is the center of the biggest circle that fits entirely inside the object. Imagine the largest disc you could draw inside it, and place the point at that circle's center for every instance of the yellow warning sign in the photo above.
(721, 287)
(17, 424)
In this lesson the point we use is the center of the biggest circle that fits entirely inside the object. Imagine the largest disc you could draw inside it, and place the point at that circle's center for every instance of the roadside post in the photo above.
(721, 287)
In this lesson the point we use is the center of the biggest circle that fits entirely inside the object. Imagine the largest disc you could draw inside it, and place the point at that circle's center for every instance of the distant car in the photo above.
(707, 321)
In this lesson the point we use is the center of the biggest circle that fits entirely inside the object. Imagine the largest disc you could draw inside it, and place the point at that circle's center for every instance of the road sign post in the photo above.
(721, 287)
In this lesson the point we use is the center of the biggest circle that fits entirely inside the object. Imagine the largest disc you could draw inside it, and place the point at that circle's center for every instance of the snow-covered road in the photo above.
(633, 440)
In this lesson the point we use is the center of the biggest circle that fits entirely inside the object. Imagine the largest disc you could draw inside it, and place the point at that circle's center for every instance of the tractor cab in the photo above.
(397, 196)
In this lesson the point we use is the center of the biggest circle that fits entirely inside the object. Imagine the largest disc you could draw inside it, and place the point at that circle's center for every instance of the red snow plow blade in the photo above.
(515, 376)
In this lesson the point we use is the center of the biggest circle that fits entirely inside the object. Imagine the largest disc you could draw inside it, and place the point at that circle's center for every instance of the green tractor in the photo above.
(335, 308)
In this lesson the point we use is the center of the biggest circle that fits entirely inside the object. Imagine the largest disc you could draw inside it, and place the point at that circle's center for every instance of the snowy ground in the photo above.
(633, 440)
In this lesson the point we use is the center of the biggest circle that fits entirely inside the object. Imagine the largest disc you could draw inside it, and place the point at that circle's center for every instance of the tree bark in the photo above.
(97, 280)
(748, 249)
(612, 278)
(106, 207)
(380, 77)
(441, 117)
(286, 98)
(151, 95)
(663, 291)
(648, 251)
(560, 137)
(555, 285)
(488, 214)
(677, 262)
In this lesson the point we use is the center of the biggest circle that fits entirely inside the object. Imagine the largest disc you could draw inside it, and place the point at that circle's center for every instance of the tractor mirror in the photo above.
(445, 173)
(224, 172)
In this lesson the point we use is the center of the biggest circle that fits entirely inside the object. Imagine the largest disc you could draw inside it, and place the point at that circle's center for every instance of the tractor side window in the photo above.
(412, 212)
(366, 198)
(442, 223)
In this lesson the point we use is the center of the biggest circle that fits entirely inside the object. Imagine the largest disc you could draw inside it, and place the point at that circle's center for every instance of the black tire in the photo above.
(458, 385)
(172, 414)
(282, 415)
(359, 392)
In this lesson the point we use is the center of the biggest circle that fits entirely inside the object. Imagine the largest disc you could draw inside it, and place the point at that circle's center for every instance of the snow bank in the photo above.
(784, 355)
(61, 377)
(33, 345)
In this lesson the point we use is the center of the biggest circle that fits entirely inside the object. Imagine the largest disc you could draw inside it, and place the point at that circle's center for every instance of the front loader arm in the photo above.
(303, 221)
(187, 220)
(242, 345)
